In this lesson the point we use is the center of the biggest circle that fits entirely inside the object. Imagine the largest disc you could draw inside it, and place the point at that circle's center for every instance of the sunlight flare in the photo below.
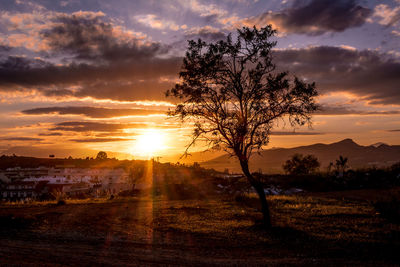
(149, 143)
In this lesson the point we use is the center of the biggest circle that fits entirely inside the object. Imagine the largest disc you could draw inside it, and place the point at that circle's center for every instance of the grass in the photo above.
(336, 228)
(67, 201)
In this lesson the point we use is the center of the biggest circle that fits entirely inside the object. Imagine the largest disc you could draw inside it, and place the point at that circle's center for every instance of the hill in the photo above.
(271, 160)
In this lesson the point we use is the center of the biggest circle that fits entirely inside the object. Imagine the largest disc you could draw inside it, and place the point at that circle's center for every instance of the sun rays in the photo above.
(149, 143)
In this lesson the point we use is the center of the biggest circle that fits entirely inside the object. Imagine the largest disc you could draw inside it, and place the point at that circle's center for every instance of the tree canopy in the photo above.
(231, 92)
(301, 165)
(101, 155)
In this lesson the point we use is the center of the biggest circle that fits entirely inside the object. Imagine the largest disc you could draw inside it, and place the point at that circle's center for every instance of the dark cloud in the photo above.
(4, 48)
(50, 134)
(89, 36)
(315, 17)
(124, 81)
(87, 126)
(368, 74)
(295, 133)
(99, 140)
(338, 110)
(149, 89)
(22, 139)
(100, 61)
(205, 33)
(396, 130)
(92, 112)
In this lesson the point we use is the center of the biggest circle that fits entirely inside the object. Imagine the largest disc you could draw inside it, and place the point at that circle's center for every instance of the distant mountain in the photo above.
(271, 160)
(379, 144)
(200, 156)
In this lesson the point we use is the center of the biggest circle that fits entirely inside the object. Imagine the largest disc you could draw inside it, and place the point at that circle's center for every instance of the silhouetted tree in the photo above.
(101, 155)
(341, 164)
(301, 165)
(330, 167)
(230, 91)
(136, 174)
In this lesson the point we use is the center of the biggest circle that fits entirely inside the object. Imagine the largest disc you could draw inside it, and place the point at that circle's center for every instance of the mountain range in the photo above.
(271, 160)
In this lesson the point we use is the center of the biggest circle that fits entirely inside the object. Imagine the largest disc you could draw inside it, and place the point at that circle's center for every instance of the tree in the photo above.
(301, 165)
(231, 92)
(101, 155)
(341, 164)
(136, 174)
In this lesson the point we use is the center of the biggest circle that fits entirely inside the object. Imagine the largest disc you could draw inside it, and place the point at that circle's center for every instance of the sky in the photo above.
(82, 76)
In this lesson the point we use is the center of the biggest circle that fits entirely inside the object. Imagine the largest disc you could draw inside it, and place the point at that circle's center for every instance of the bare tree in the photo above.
(231, 92)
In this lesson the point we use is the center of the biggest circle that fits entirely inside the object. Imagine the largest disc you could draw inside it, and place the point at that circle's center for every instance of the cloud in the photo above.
(92, 112)
(89, 36)
(295, 133)
(370, 75)
(50, 134)
(99, 140)
(152, 21)
(387, 16)
(98, 59)
(87, 126)
(22, 139)
(396, 130)
(316, 17)
(206, 33)
(338, 110)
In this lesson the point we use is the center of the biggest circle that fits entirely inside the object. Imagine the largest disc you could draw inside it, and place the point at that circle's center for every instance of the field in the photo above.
(337, 228)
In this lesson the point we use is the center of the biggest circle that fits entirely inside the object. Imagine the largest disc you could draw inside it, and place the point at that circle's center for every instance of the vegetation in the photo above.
(60, 197)
(230, 90)
(101, 155)
(311, 229)
(301, 165)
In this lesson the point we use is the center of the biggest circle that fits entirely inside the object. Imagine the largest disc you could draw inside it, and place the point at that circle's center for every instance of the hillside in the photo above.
(271, 160)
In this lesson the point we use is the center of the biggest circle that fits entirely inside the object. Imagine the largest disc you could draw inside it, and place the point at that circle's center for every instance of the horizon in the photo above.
(174, 158)
(82, 77)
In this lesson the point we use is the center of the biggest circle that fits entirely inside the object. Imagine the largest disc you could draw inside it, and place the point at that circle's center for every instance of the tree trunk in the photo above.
(257, 185)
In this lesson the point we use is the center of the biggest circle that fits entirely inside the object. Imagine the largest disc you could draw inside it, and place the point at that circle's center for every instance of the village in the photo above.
(24, 184)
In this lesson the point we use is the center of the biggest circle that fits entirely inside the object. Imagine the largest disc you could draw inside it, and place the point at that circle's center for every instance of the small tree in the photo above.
(300, 165)
(101, 155)
(136, 174)
(229, 90)
(341, 164)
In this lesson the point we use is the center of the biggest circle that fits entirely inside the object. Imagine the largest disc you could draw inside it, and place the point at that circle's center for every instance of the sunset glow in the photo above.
(149, 144)
(78, 78)
(199, 132)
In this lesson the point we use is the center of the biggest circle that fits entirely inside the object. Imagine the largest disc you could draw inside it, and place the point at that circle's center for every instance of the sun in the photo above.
(149, 143)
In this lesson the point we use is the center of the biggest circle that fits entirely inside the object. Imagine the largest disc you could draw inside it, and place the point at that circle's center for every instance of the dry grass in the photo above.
(308, 229)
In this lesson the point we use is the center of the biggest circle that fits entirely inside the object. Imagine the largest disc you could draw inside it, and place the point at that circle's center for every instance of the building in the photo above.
(22, 190)
(74, 182)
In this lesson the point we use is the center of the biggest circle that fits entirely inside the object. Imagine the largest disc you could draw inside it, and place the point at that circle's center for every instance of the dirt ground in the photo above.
(309, 230)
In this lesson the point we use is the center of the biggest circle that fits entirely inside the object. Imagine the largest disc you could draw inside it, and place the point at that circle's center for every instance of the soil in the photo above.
(309, 230)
